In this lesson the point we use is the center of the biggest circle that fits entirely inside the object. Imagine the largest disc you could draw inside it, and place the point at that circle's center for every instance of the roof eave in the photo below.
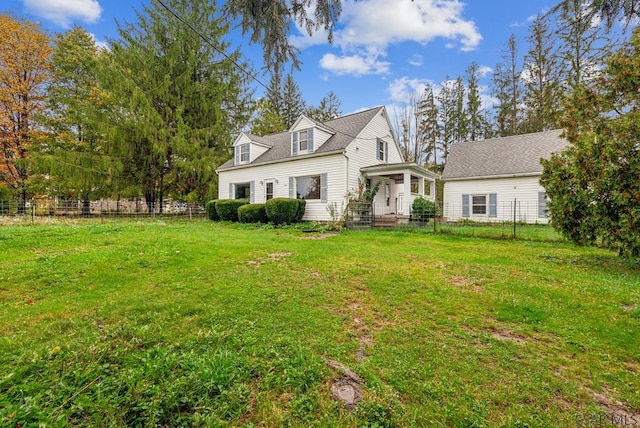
(486, 177)
(308, 156)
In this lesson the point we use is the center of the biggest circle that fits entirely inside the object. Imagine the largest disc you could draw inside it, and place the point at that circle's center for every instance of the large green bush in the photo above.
(227, 209)
(422, 210)
(302, 206)
(282, 210)
(210, 208)
(252, 213)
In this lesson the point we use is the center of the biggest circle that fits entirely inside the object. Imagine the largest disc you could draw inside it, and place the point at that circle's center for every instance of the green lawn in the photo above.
(201, 324)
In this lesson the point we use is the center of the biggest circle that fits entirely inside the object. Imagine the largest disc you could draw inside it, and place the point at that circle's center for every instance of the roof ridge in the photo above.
(512, 136)
(355, 113)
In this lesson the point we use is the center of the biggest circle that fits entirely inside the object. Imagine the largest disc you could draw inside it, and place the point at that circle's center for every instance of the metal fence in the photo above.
(359, 215)
(53, 207)
(516, 219)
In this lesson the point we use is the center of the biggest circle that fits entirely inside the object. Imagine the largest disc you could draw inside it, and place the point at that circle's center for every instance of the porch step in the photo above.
(385, 221)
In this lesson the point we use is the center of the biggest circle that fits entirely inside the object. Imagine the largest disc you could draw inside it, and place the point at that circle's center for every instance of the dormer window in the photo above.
(242, 153)
(302, 141)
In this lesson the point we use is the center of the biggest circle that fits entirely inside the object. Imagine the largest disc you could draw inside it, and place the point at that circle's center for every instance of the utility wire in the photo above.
(239, 66)
(208, 42)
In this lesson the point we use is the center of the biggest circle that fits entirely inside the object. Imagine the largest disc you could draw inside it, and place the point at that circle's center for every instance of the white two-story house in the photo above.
(324, 163)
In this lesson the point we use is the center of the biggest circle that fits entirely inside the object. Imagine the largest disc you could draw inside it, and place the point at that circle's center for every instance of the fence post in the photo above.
(514, 218)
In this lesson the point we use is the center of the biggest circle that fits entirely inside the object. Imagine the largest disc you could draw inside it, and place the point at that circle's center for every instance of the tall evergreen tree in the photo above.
(507, 89)
(266, 120)
(428, 127)
(459, 118)
(583, 44)
(609, 10)
(74, 158)
(275, 93)
(447, 100)
(474, 103)
(542, 81)
(329, 108)
(179, 100)
(269, 23)
(292, 103)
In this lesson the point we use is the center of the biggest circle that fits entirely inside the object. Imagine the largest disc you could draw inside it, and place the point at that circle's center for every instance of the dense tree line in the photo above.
(150, 117)
(563, 49)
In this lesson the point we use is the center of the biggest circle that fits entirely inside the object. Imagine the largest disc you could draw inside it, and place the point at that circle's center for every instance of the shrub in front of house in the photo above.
(227, 209)
(282, 210)
(252, 213)
(422, 210)
(302, 206)
(210, 208)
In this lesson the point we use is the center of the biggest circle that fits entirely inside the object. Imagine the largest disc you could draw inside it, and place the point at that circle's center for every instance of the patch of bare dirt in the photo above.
(317, 236)
(273, 257)
(464, 282)
(619, 409)
(629, 307)
(507, 335)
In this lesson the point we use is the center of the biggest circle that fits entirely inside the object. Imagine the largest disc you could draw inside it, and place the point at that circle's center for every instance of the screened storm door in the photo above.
(268, 189)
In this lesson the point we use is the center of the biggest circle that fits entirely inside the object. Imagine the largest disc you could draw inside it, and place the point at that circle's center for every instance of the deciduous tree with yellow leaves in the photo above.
(25, 62)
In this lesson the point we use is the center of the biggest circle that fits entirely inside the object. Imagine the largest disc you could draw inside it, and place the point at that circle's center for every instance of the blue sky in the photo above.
(383, 49)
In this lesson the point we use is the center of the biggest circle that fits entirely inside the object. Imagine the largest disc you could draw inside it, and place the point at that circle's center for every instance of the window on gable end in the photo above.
(380, 150)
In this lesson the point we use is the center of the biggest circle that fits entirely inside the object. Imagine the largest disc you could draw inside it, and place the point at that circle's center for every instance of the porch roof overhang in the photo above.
(399, 169)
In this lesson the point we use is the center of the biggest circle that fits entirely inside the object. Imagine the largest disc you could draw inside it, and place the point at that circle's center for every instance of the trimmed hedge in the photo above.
(210, 208)
(282, 210)
(302, 206)
(227, 209)
(252, 213)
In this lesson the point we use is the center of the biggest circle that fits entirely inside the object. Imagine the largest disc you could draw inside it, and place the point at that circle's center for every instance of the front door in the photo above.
(268, 190)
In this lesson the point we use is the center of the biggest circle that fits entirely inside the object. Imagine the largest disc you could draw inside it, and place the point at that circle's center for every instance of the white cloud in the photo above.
(101, 45)
(401, 90)
(372, 25)
(383, 22)
(64, 12)
(416, 60)
(354, 64)
(484, 70)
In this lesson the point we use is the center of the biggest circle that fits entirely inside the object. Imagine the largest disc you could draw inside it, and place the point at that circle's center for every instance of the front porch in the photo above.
(402, 184)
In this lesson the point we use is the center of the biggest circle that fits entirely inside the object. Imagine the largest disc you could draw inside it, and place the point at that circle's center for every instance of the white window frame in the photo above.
(297, 180)
(380, 150)
(243, 153)
(305, 140)
(543, 209)
(473, 205)
(237, 186)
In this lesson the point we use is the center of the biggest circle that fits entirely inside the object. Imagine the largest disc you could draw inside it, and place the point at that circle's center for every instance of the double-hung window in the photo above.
(479, 204)
(380, 150)
(242, 153)
(303, 141)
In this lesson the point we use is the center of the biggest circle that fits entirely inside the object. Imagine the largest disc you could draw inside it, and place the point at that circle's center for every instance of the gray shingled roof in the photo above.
(346, 129)
(503, 156)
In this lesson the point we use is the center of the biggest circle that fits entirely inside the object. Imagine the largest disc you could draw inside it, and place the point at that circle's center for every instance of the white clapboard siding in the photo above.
(362, 151)
(333, 165)
(523, 190)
